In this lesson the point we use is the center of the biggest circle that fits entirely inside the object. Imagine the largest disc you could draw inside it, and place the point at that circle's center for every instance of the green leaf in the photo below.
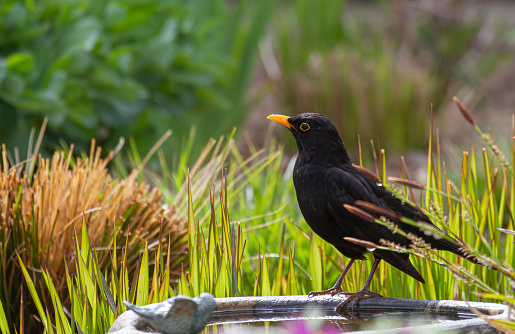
(4, 327)
(42, 314)
(278, 278)
(84, 277)
(315, 264)
(292, 277)
(13, 86)
(16, 16)
(143, 280)
(82, 36)
(265, 278)
(60, 318)
(21, 62)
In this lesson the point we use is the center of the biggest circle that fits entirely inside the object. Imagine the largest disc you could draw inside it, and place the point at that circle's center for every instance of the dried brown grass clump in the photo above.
(40, 217)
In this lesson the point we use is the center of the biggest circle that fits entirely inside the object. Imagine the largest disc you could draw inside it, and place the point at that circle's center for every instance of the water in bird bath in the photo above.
(298, 314)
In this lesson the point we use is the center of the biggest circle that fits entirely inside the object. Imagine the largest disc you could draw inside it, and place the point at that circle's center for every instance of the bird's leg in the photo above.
(364, 293)
(337, 288)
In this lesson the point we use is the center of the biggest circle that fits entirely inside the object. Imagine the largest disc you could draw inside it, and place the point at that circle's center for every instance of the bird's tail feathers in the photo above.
(461, 251)
(401, 262)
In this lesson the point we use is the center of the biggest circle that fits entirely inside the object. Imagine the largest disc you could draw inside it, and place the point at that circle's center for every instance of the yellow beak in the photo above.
(281, 120)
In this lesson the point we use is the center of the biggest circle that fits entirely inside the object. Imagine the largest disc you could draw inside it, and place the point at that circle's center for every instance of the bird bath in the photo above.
(428, 316)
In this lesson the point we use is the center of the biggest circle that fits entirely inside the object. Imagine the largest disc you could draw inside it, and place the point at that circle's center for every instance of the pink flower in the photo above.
(313, 326)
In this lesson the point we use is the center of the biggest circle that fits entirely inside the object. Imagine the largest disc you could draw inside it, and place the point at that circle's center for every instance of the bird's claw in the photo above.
(332, 291)
(356, 297)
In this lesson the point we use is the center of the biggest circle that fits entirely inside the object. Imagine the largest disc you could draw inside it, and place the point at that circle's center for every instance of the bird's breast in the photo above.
(311, 192)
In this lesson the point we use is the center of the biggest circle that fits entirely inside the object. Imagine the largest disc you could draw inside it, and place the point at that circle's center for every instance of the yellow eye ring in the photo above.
(304, 127)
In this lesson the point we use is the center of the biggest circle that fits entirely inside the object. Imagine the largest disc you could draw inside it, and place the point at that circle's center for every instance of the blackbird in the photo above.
(327, 183)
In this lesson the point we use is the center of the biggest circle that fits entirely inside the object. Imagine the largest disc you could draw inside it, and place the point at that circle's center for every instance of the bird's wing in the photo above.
(390, 202)
(351, 185)
(346, 187)
(407, 210)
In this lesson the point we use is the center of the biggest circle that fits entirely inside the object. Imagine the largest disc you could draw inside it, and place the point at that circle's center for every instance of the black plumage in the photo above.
(325, 180)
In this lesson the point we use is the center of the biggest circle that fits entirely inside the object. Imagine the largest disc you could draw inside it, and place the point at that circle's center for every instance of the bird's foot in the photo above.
(356, 297)
(335, 290)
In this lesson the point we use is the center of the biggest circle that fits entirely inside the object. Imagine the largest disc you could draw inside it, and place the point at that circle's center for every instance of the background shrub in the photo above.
(106, 69)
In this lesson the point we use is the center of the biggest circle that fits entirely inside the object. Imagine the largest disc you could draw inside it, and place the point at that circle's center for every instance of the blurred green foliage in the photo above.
(107, 69)
(375, 70)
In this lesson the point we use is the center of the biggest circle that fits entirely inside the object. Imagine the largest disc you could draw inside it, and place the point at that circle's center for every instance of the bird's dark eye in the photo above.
(304, 126)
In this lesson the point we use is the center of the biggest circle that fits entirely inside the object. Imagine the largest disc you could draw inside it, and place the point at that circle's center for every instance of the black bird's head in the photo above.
(314, 133)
